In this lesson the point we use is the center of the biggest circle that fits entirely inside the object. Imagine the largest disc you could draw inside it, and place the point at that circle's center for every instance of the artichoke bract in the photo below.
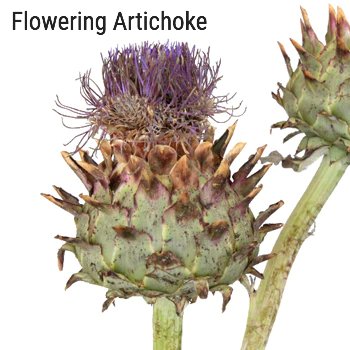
(316, 98)
(162, 216)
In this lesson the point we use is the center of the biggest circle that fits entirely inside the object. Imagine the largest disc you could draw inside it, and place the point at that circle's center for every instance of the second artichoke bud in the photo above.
(317, 96)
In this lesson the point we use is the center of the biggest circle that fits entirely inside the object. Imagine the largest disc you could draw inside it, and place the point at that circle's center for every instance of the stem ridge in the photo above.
(265, 302)
(167, 325)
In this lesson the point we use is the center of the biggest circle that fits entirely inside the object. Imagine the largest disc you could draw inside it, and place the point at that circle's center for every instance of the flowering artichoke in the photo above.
(162, 217)
(316, 98)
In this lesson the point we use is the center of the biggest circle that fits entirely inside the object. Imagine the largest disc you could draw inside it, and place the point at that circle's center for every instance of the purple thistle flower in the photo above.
(155, 93)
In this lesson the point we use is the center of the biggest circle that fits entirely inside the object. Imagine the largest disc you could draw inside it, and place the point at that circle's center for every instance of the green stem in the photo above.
(264, 303)
(167, 326)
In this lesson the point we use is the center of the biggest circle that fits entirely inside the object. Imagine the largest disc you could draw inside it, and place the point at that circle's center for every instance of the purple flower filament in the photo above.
(156, 93)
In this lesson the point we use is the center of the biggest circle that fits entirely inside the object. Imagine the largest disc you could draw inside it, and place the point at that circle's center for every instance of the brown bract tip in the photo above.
(308, 74)
(161, 159)
(249, 197)
(72, 208)
(220, 145)
(251, 270)
(60, 258)
(286, 58)
(305, 17)
(217, 229)
(107, 303)
(332, 25)
(264, 215)
(126, 232)
(73, 279)
(343, 31)
(340, 15)
(244, 186)
(165, 260)
(204, 155)
(122, 150)
(95, 172)
(298, 47)
(283, 50)
(308, 28)
(226, 297)
(234, 152)
(135, 166)
(182, 175)
(247, 167)
(202, 288)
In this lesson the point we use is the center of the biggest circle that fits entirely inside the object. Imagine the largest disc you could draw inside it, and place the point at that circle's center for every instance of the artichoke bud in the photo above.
(162, 216)
(316, 97)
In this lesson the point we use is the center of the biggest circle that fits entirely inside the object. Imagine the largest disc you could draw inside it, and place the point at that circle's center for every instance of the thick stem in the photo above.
(264, 303)
(167, 326)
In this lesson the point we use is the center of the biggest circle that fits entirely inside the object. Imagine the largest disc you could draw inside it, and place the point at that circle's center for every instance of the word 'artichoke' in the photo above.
(162, 216)
(317, 96)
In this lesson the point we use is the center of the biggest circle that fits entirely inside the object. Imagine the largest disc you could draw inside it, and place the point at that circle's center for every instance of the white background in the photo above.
(35, 312)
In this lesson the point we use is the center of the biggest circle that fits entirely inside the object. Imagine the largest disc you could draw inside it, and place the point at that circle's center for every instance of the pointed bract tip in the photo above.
(73, 279)
(298, 47)
(343, 31)
(332, 25)
(60, 259)
(265, 229)
(181, 174)
(234, 152)
(340, 15)
(261, 258)
(332, 14)
(231, 130)
(223, 171)
(262, 147)
(202, 288)
(252, 271)
(252, 194)
(343, 24)
(107, 303)
(259, 152)
(66, 196)
(72, 208)
(264, 215)
(286, 58)
(305, 17)
(281, 46)
(268, 166)
(220, 145)
(277, 97)
(307, 74)
(65, 154)
(226, 297)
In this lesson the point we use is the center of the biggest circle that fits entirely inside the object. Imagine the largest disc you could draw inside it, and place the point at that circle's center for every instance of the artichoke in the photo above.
(316, 97)
(162, 216)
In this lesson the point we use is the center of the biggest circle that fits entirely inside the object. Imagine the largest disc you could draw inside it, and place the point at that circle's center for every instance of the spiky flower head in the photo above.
(317, 98)
(152, 94)
(162, 220)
